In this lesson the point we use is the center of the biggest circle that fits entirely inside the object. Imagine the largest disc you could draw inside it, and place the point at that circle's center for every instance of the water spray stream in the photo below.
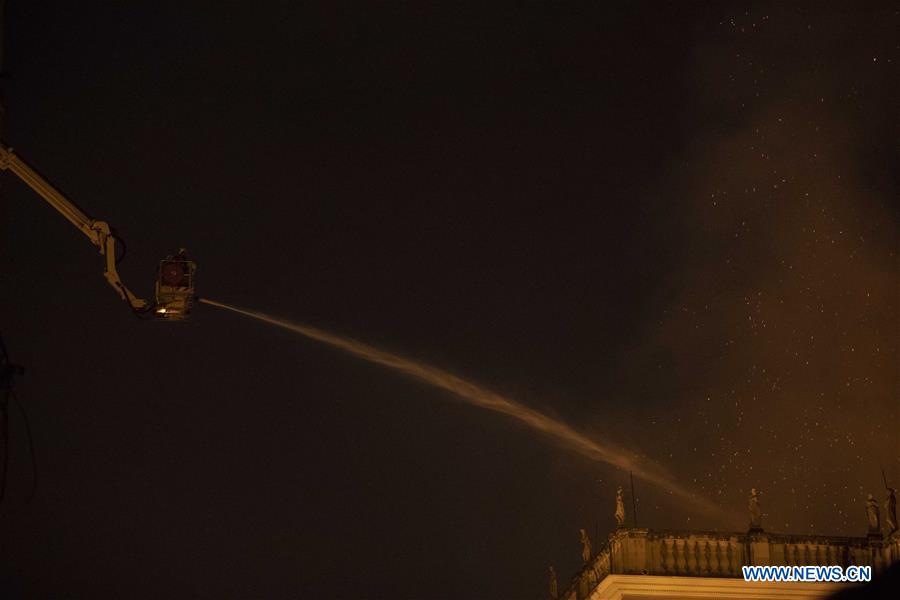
(478, 396)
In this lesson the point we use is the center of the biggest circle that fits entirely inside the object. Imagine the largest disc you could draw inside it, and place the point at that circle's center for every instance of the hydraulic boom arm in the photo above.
(175, 285)
(98, 232)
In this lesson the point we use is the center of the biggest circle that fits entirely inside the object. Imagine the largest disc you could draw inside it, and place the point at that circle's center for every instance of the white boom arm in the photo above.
(97, 231)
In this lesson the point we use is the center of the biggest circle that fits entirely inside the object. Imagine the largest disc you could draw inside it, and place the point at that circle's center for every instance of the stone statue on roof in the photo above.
(755, 510)
(585, 546)
(872, 515)
(620, 508)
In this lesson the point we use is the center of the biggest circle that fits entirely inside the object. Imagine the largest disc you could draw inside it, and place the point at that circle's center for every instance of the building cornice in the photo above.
(620, 587)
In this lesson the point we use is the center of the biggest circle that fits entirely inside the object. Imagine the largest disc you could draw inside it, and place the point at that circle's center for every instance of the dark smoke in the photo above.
(777, 338)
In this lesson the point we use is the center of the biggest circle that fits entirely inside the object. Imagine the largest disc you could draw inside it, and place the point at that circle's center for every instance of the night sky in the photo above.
(671, 225)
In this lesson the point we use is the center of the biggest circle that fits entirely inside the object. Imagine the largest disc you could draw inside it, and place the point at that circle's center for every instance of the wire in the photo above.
(120, 242)
(34, 469)
(8, 371)
(5, 354)
(141, 313)
(4, 432)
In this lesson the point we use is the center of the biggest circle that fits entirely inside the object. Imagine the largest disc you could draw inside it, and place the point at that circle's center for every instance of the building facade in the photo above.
(639, 564)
